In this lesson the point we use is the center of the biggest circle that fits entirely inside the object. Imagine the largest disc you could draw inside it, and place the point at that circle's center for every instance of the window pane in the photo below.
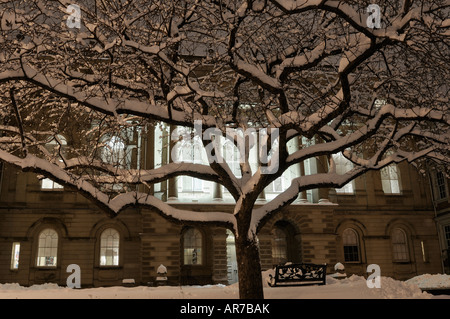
(351, 253)
(109, 247)
(390, 179)
(15, 256)
(47, 183)
(192, 242)
(447, 235)
(399, 245)
(440, 183)
(47, 248)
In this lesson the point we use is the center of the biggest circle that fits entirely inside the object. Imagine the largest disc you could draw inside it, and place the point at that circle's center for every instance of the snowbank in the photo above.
(354, 287)
(429, 281)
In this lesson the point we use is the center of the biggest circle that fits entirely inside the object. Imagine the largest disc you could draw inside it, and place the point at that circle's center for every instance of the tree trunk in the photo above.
(249, 267)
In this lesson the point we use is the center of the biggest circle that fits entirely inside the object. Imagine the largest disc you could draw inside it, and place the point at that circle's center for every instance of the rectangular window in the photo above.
(15, 255)
(390, 179)
(48, 184)
(440, 185)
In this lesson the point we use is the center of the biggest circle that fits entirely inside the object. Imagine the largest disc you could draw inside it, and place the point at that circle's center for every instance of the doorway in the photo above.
(232, 269)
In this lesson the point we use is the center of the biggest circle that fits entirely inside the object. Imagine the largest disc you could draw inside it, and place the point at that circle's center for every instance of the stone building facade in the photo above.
(43, 231)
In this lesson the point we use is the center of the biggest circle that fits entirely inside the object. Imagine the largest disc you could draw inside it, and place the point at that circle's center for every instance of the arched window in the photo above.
(279, 246)
(56, 145)
(109, 247)
(47, 248)
(192, 247)
(390, 179)
(351, 245)
(400, 245)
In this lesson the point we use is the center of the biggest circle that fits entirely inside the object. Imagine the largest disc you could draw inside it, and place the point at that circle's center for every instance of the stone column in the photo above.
(217, 188)
(322, 167)
(173, 188)
(148, 162)
(299, 170)
(302, 197)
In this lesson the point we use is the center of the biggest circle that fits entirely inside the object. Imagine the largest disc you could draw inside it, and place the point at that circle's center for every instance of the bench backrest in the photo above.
(304, 272)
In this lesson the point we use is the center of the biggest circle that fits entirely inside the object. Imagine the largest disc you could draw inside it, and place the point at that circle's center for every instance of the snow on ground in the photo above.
(428, 281)
(354, 287)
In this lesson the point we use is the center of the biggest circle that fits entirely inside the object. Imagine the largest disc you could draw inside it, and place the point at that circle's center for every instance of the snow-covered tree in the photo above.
(339, 77)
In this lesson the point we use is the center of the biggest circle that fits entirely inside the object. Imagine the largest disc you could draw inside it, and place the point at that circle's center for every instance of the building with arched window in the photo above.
(383, 217)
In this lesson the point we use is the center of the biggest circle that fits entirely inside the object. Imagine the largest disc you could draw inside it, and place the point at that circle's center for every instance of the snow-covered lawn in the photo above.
(354, 287)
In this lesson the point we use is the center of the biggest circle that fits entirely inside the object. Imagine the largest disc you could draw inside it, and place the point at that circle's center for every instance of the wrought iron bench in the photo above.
(299, 274)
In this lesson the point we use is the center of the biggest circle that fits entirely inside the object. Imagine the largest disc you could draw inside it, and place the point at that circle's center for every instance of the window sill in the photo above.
(442, 200)
(109, 267)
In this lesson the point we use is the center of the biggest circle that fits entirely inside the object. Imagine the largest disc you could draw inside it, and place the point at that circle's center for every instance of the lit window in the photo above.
(400, 245)
(390, 179)
(15, 256)
(47, 248)
(109, 247)
(343, 165)
(351, 245)
(192, 244)
(279, 246)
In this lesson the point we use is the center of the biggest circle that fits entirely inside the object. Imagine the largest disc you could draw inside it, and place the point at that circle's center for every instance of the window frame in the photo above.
(55, 248)
(439, 186)
(357, 245)
(446, 233)
(49, 145)
(404, 245)
(119, 245)
(53, 188)
(15, 256)
(390, 179)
